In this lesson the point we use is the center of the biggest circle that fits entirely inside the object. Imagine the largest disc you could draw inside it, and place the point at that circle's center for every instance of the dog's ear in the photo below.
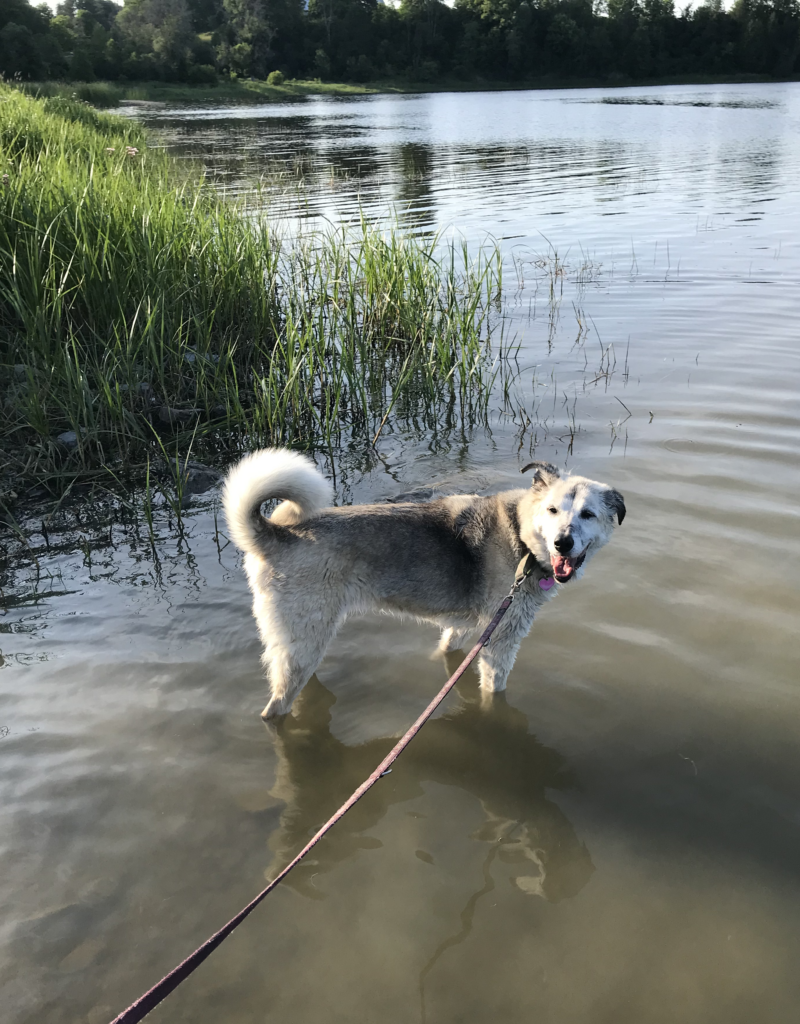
(546, 474)
(615, 504)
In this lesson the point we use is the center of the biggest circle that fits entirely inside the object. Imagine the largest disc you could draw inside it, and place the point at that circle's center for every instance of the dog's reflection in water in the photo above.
(485, 750)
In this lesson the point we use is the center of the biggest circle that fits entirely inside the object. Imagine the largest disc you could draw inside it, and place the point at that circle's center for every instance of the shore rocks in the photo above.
(68, 440)
(169, 416)
(191, 477)
(199, 478)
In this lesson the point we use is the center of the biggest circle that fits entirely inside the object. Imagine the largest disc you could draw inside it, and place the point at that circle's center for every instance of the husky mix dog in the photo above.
(449, 561)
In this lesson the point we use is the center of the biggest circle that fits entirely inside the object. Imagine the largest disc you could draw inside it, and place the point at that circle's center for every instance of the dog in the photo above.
(449, 560)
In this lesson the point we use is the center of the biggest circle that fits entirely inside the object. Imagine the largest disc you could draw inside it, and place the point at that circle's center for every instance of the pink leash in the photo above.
(150, 1000)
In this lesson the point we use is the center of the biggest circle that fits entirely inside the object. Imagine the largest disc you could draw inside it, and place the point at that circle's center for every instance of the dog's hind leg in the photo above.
(292, 655)
(289, 670)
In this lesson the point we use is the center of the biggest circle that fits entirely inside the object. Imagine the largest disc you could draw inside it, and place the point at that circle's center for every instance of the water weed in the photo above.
(142, 314)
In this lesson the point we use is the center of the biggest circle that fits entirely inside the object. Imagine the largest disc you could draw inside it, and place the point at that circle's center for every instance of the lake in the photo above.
(616, 838)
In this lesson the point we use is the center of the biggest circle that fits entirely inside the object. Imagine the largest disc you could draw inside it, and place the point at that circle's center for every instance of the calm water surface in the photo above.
(617, 839)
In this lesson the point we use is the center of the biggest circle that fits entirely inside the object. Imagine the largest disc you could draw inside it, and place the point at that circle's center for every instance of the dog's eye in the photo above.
(588, 514)
(553, 510)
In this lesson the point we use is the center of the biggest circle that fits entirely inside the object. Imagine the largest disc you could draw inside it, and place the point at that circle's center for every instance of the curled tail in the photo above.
(271, 473)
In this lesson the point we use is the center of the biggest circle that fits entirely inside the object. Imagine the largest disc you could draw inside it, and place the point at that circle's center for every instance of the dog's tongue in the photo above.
(563, 567)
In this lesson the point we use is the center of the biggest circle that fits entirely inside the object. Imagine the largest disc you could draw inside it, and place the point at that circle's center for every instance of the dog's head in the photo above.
(565, 520)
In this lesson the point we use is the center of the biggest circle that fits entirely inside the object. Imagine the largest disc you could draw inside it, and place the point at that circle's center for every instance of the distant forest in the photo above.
(197, 41)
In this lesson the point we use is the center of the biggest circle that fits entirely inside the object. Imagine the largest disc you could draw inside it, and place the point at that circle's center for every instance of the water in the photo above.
(615, 839)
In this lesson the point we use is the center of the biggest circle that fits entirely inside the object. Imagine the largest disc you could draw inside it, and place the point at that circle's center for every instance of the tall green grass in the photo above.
(140, 310)
(111, 94)
(99, 94)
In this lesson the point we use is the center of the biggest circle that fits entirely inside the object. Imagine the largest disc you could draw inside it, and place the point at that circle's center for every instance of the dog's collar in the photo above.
(528, 565)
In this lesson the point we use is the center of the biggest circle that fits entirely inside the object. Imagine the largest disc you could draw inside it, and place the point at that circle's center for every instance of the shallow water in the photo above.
(617, 838)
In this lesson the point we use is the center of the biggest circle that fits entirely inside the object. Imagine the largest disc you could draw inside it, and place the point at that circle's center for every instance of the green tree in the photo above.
(161, 29)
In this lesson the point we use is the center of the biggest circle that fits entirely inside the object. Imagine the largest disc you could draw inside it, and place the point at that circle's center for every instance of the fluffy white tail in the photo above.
(271, 473)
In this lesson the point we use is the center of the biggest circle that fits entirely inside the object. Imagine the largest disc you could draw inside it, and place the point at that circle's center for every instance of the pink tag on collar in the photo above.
(546, 583)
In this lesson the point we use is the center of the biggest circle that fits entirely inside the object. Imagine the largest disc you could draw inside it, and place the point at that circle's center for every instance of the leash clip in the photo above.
(524, 570)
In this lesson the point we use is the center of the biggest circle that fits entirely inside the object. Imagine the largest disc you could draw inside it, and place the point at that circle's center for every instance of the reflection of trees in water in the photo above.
(415, 193)
(751, 170)
(486, 751)
(342, 165)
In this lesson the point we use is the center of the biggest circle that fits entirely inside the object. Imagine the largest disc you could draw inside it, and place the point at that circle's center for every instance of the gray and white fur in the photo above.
(449, 561)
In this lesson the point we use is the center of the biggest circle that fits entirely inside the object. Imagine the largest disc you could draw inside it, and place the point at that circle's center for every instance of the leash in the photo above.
(150, 1000)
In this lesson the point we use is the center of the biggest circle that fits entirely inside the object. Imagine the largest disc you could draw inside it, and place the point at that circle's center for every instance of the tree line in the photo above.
(197, 41)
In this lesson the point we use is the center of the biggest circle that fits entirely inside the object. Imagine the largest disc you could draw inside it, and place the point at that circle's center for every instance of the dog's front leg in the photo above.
(497, 659)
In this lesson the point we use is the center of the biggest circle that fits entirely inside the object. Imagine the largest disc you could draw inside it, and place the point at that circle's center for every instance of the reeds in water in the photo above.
(139, 309)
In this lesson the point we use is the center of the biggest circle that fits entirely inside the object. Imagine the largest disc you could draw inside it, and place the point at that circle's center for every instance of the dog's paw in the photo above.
(277, 708)
(490, 700)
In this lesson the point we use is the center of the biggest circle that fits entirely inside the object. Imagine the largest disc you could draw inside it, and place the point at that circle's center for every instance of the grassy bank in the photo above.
(111, 94)
(141, 316)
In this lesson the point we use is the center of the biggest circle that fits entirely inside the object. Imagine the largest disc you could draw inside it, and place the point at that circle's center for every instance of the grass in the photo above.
(111, 94)
(99, 94)
(244, 91)
(143, 317)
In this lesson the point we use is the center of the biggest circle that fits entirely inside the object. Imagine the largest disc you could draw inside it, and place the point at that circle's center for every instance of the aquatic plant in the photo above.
(138, 309)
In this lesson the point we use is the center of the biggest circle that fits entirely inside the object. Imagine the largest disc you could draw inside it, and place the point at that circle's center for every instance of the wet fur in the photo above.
(449, 561)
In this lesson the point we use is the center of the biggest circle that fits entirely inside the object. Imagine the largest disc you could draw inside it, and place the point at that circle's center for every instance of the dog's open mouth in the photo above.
(564, 567)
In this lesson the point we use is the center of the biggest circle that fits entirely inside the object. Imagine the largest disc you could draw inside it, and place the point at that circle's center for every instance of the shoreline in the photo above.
(112, 94)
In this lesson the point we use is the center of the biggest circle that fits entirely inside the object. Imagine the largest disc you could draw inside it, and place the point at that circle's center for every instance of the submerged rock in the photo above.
(168, 415)
(199, 478)
(193, 477)
(419, 495)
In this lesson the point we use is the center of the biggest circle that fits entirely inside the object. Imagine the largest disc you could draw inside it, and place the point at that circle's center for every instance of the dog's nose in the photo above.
(564, 544)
